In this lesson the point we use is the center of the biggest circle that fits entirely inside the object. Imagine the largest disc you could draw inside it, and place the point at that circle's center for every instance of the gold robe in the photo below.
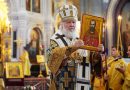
(56, 59)
(54, 63)
(126, 85)
(109, 61)
(2, 85)
(115, 77)
(99, 84)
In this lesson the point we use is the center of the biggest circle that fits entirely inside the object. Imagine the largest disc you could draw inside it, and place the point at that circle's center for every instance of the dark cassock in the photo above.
(97, 71)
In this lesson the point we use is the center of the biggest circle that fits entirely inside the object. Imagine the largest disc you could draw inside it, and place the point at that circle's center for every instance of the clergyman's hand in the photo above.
(121, 69)
(78, 43)
(100, 47)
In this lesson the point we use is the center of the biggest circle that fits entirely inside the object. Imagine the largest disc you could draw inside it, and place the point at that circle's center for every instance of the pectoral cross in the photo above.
(66, 79)
(84, 64)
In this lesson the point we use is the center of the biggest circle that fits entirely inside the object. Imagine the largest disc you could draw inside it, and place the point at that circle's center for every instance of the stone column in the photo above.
(21, 32)
(110, 14)
(48, 25)
(21, 26)
(18, 18)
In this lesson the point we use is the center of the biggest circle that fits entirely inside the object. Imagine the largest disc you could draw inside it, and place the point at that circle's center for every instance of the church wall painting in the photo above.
(36, 6)
(91, 30)
(125, 28)
(35, 45)
(28, 3)
(33, 5)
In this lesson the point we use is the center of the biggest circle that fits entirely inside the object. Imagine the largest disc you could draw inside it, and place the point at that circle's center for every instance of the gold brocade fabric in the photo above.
(6, 54)
(52, 85)
(54, 63)
(2, 86)
(115, 77)
(126, 85)
(109, 62)
(75, 56)
(99, 84)
(56, 59)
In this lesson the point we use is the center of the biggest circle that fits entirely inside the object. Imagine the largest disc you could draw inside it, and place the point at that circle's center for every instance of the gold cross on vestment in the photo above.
(66, 79)
(72, 69)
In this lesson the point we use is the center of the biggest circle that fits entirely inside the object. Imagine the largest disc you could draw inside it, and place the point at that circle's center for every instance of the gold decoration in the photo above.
(66, 79)
(14, 70)
(5, 32)
(56, 59)
(52, 85)
(40, 60)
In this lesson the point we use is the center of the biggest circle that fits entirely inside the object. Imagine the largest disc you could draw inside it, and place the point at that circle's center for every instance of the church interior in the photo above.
(26, 27)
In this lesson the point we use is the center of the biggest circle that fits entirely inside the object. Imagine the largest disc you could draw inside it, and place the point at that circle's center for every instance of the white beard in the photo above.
(69, 33)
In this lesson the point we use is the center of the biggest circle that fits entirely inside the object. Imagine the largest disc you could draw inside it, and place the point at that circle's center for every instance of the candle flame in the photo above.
(119, 17)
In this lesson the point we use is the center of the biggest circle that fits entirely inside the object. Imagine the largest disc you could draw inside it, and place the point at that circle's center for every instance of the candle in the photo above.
(119, 40)
(119, 26)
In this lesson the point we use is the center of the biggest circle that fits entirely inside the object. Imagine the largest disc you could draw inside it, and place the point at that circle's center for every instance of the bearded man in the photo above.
(64, 54)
